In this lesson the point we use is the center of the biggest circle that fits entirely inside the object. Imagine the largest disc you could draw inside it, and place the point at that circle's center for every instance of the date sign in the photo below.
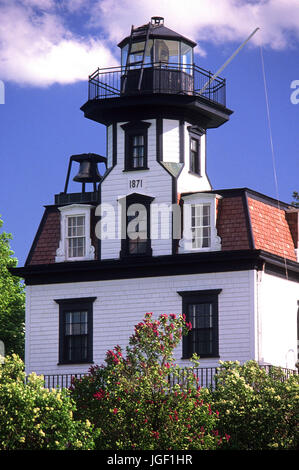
(134, 184)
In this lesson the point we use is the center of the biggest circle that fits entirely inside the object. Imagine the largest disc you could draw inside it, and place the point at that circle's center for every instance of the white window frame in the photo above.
(199, 228)
(73, 237)
(74, 210)
(199, 199)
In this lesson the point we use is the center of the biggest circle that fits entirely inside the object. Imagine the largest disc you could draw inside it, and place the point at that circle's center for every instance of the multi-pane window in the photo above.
(137, 233)
(136, 145)
(136, 239)
(75, 238)
(201, 310)
(137, 151)
(201, 225)
(194, 155)
(201, 317)
(76, 334)
(75, 330)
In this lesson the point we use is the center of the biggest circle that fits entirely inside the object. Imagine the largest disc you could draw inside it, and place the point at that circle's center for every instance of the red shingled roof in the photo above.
(271, 229)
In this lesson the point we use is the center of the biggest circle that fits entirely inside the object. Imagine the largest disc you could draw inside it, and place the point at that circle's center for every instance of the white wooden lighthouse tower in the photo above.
(157, 120)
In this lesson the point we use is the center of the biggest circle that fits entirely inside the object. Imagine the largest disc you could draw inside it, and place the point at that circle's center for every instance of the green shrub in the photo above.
(132, 403)
(32, 417)
(260, 409)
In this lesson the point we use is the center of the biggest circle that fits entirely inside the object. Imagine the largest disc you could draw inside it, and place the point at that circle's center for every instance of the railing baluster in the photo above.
(107, 83)
(205, 375)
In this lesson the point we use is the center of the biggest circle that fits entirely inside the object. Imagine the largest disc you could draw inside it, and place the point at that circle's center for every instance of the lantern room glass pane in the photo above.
(136, 54)
(124, 54)
(148, 59)
(166, 51)
(186, 58)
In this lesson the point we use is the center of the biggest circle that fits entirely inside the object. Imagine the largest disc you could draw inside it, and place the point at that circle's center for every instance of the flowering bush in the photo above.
(259, 407)
(32, 417)
(135, 404)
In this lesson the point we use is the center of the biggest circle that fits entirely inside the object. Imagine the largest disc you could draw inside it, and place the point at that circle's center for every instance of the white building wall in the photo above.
(121, 304)
(171, 140)
(277, 320)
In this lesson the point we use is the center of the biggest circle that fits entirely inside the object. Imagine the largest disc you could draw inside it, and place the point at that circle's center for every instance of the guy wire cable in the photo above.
(272, 149)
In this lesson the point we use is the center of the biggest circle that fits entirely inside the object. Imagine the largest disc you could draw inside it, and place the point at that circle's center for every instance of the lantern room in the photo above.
(162, 47)
(157, 72)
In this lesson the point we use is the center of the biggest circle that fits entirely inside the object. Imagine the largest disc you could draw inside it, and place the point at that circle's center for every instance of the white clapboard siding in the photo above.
(121, 304)
(171, 140)
(277, 320)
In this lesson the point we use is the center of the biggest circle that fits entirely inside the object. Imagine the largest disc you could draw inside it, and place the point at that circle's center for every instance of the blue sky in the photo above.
(48, 48)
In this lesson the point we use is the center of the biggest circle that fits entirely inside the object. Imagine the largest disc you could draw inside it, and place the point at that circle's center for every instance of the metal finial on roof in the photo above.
(157, 20)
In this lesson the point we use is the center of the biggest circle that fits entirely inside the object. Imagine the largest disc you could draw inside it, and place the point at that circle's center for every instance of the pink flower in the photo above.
(115, 411)
(173, 316)
(100, 394)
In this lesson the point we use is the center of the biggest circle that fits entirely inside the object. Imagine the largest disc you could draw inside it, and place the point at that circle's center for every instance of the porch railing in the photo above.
(205, 376)
(175, 79)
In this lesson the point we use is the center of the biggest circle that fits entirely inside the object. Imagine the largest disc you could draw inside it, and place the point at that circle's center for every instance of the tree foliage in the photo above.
(35, 418)
(12, 300)
(135, 405)
(295, 202)
(260, 408)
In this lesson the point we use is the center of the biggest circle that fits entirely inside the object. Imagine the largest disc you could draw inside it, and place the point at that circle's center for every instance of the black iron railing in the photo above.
(61, 380)
(205, 375)
(189, 80)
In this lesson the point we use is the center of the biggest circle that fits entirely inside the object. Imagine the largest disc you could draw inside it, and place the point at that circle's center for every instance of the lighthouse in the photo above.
(146, 232)
(157, 107)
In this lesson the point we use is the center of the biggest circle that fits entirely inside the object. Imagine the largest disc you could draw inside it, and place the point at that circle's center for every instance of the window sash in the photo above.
(201, 336)
(76, 239)
(194, 155)
(136, 239)
(201, 309)
(137, 151)
(76, 335)
(201, 225)
(138, 245)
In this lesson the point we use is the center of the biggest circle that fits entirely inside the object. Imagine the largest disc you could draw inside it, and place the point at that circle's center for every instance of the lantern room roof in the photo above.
(158, 31)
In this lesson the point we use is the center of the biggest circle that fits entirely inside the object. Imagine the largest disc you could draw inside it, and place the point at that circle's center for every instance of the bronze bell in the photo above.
(88, 170)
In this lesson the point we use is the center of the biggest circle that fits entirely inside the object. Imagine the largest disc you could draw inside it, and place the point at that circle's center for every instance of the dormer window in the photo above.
(200, 233)
(75, 239)
(136, 145)
(75, 242)
(201, 226)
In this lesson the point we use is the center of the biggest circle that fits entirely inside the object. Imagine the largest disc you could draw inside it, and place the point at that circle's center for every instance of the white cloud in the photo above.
(206, 20)
(39, 47)
(36, 48)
